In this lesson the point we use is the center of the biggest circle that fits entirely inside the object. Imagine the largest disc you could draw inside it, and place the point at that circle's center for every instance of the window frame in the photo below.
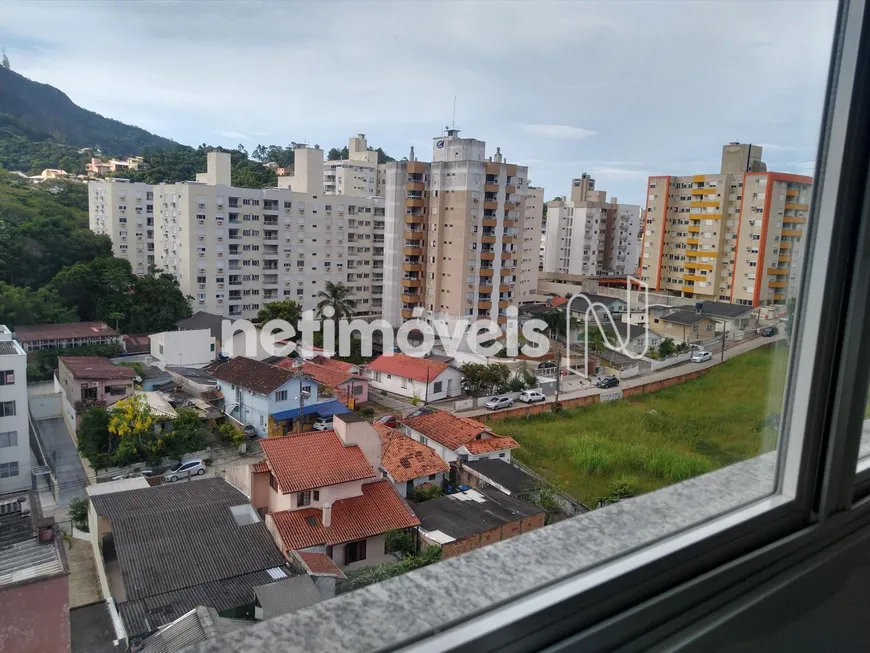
(636, 596)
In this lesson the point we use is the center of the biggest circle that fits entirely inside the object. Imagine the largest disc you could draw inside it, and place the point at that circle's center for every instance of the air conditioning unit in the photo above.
(95, 384)
(220, 285)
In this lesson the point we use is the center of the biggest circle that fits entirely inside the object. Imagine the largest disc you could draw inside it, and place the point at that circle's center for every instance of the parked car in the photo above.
(701, 356)
(185, 469)
(323, 423)
(390, 421)
(607, 382)
(250, 431)
(531, 396)
(767, 332)
(499, 402)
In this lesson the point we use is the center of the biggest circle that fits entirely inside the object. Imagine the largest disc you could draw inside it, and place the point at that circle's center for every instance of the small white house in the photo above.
(409, 376)
(636, 337)
(184, 348)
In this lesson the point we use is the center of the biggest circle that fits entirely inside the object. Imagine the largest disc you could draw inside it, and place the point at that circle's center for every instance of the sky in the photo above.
(621, 90)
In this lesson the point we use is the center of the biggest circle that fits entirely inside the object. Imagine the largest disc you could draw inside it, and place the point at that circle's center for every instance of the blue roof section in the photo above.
(327, 409)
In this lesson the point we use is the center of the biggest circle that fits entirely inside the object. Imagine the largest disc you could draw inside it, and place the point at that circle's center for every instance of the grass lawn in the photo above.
(651, 441)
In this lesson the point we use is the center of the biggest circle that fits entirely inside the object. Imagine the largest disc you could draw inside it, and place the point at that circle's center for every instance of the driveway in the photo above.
(63, 459)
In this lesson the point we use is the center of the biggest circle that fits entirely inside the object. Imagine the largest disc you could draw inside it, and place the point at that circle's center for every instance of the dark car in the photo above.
(767, 332)
(607, 382)
(390, 421)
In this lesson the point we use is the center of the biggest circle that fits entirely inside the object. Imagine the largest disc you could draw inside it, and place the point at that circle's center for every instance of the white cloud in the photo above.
(558, 131)
(232, 134)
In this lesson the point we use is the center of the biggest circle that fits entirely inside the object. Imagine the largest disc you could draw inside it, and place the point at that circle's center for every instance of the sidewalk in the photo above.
(730, 352)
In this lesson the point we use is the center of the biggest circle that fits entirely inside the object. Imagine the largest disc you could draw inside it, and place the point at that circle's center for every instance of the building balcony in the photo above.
(777, 272)
(414, 234)
(507, 239)
(777, 284)
(484, 305)
(490, 206)
(487, 256)
(703, 191)
(412, 299)
(412, 283)
(792, 232)
(784, 258)
(693, 277)
(510, 189)
(784, 245)
(508, 256)
(688, 289)
(415, 167)
(701, 252)
(412, 251)
(691, 265)
(501, 319)
(486, 272)
(694, 230)
(792, 192)
(791, 206)
(490, 187)
(692, 241)
(414, 203)
(487, 239)
(416, 186)
(504, 303)
(794, 218)
(412, 267)
(511, 206)
(490, 222)
(484, 286)
(414, 219)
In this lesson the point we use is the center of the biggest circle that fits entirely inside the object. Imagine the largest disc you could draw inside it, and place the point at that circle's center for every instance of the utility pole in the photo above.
(558, 373)
(724, 334)
(426, 399)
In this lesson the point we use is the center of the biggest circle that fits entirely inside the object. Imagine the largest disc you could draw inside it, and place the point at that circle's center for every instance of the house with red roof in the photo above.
(324, 492)
(342, 383)
(407, 462)
(457, 438)
(87, 381)
(430, 379)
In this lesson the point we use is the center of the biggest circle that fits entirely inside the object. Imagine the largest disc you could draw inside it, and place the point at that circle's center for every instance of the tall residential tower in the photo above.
(736, 236)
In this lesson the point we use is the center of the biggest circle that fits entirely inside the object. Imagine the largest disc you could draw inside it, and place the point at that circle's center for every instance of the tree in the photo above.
(156, 303)
(399, 543)
(334, 154)
(21, 306)
(287, 310)
(78, 513)
(336, 295)
(181, 435)
(474, 378)
(667, 347)
(132, 423)
(95, 443)
(496, 377)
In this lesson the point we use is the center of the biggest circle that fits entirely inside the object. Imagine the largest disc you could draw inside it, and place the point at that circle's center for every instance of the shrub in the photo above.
(229, 433)
(78, 513)
(399, 542)
(368, 411)
(416, 400)
(426, 492)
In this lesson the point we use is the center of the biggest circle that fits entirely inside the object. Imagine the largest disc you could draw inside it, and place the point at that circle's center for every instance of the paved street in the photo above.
(63, 459)
(731, 351)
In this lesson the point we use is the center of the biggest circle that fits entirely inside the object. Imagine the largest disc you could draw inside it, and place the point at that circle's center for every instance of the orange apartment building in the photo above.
(736, 236)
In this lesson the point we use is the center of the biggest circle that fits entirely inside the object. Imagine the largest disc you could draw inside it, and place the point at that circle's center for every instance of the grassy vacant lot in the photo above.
(644, 443)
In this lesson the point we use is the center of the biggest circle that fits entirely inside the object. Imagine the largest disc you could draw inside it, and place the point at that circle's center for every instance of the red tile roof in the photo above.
(64, 331)
(334, 364)
(96, 367)
(320, 564)
(252, 375)
(406, 459)
(261, 467)
(326, 375)
(445, 428)
(455, 432)
(558, 301)
(378, 510)
(489, 445)
(137, 344)
(409, 367)
(316, 459)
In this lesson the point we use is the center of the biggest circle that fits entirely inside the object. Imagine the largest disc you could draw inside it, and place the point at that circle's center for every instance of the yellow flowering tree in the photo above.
(133, 425)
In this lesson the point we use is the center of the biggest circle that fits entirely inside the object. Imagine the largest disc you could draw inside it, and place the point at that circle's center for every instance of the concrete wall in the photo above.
(374, 554)
(184, 347)
(47, 405)
(239, 476)
(36, 617)
(15, 368)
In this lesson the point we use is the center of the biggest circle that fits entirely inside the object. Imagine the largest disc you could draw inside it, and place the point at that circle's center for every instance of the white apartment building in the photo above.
(587, 234)
(356, 176)
(454, 233)
(14, 433)
(236, 249)
(530, 255)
